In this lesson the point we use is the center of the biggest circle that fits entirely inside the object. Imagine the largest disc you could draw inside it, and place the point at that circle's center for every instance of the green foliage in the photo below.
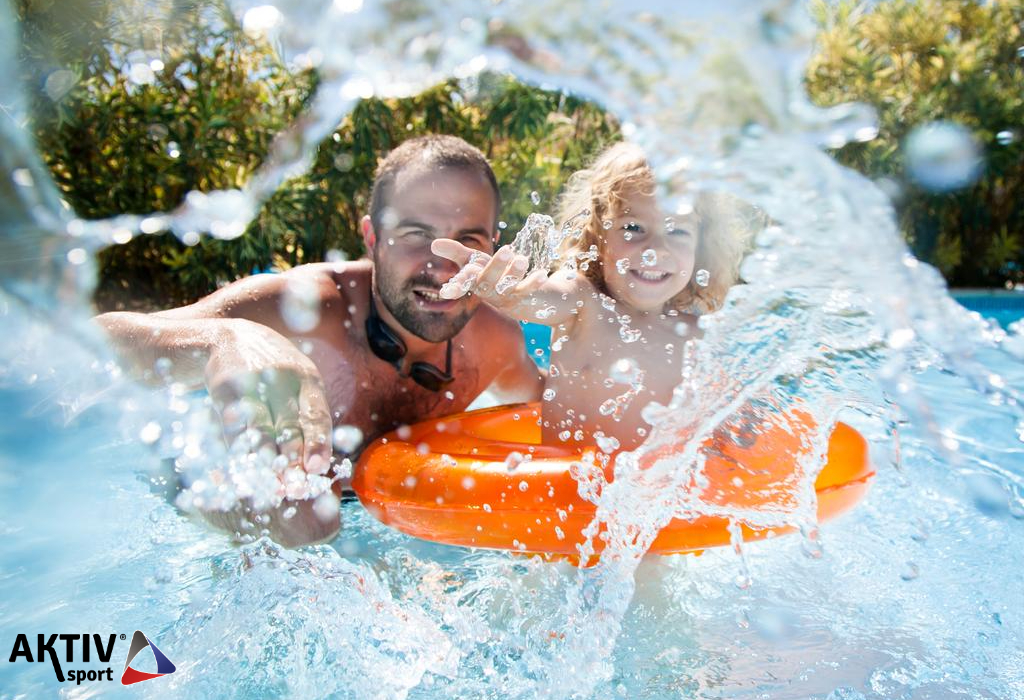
(533, 138)
(205, 120)
(926, 60)
(114, 144)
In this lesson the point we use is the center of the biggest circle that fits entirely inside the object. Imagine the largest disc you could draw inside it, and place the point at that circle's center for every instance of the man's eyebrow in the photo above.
(412, 223)
(478, 230)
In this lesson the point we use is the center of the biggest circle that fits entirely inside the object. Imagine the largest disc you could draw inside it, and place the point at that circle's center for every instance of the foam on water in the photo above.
(915, 594)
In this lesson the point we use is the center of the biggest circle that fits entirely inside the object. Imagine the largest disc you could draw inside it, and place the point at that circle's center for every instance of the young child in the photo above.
(623, 300)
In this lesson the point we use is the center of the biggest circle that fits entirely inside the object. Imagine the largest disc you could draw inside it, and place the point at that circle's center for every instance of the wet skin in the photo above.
(267, 376)
(588, 337)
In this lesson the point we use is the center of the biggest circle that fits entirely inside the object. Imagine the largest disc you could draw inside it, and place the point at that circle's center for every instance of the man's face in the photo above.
(424, 205)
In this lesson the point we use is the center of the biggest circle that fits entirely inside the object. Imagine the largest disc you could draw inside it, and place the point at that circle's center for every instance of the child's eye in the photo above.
(633, 227)
(679, 232)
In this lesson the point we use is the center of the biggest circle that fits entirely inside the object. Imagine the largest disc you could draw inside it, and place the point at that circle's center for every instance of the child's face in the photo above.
(641, 279)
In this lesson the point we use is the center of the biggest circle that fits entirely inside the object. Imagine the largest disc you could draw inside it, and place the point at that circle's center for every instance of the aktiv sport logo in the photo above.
(163, 664)
(86, 645)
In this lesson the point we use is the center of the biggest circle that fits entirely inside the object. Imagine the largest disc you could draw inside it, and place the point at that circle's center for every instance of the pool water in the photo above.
(915, 594)
(1002, 307)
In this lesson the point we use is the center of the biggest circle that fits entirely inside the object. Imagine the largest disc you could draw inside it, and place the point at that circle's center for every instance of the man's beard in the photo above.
(400, 301)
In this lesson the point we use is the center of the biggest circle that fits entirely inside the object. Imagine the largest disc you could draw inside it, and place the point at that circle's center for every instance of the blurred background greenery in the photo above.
(130, 116)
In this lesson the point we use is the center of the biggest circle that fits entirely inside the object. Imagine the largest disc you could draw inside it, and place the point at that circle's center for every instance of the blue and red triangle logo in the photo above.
(164, 666)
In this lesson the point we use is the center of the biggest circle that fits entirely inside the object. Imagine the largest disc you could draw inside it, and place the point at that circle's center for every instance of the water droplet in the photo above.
(910, 571)
(513, 460)
(1006, 137)
(259, 21)
(606, 443)
(625, 370)
(845, 693)
(629, 335)
(468, 483)
(59, 83)
(606, 224)
(564, 435)
(505, 283)
(77, 256)
(486, 507)
(900, 338)
(545, 313)
(523, 486)
(300, 305)
(449, 395)
(150, 433)
(607, 408)
(943, 156)
(622, 265)
(22, 177)
(173, 150)
(141, 74)
(627, 235)
(343, 469)
(346, 438)
(702, 278)
(535, 198)
(649, 258)
(549, 394)
(559, 533)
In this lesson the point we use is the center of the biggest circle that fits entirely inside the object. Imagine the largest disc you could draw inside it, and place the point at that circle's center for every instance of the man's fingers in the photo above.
(315, 416)
(460, 284)
(495, 270)
(533, 281)
(513, 274)
(258, 425)
(451, 250)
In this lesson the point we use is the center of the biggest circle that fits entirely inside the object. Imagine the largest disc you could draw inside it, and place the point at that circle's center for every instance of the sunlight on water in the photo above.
(914, 594)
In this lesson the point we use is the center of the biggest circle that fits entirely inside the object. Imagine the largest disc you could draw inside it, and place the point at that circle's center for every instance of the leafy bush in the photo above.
(928, 60)
(533, 138)
(205, 117)
(132, 114)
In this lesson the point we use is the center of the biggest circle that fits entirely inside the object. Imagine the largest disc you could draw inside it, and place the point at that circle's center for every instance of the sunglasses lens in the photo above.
(383, 344)
(429, 377)
(387, 350)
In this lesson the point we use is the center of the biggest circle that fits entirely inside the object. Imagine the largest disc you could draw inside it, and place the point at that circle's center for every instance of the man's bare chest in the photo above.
(371, 395)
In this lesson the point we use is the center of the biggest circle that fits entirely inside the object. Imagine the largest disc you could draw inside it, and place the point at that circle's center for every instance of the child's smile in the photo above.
(647, 258)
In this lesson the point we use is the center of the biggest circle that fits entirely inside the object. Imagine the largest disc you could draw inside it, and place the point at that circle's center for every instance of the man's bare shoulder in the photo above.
(349, 280)
(260, 297)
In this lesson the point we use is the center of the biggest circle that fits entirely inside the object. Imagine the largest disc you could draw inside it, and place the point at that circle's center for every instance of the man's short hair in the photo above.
(431, 151)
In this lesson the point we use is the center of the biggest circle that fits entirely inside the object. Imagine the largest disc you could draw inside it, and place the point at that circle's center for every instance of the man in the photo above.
(368, 344)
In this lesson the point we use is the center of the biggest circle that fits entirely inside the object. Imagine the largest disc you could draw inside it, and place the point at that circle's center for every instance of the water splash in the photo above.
(715, 97)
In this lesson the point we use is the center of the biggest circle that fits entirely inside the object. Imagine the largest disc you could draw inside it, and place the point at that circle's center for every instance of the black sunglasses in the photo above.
(385, 344)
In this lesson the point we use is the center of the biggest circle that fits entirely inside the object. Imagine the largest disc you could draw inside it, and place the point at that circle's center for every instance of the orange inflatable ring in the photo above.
(447, 480)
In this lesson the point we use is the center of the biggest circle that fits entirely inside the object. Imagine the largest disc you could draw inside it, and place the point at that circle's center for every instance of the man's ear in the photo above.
(369, 235)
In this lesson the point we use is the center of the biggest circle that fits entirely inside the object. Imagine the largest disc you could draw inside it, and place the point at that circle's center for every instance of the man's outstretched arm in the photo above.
(260, 382)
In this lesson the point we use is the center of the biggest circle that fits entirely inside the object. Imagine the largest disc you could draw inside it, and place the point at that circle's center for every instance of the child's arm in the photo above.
(501, 281)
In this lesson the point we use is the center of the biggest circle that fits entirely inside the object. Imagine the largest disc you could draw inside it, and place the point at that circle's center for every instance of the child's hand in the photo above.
(500, 280)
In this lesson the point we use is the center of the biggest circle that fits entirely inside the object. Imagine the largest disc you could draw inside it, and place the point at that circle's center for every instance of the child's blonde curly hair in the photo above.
(622, 170)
